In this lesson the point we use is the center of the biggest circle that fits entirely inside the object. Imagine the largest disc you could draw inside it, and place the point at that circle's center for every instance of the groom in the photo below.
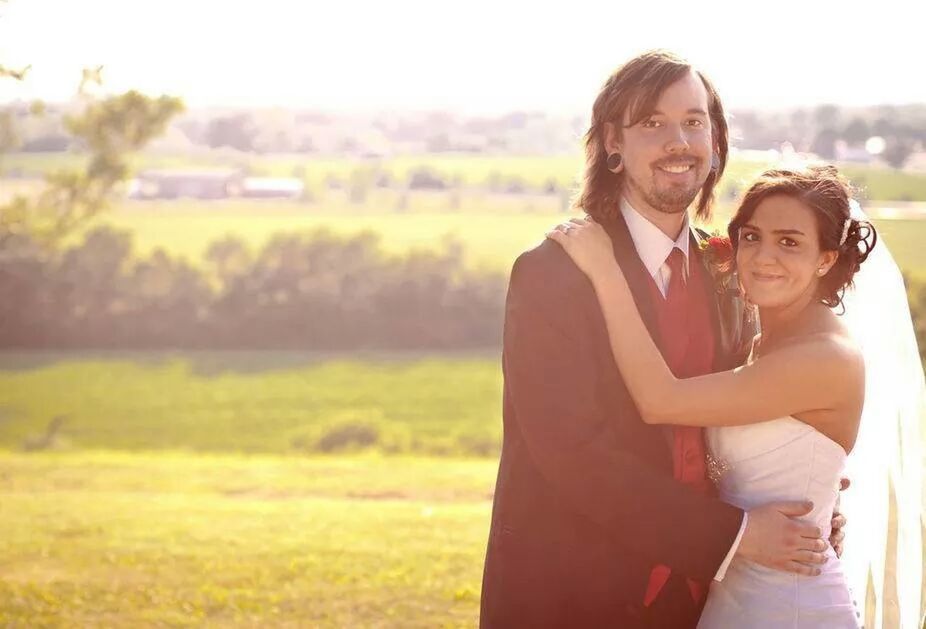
(601, 520)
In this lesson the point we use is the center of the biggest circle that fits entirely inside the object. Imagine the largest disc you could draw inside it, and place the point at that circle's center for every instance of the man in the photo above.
(599, 519)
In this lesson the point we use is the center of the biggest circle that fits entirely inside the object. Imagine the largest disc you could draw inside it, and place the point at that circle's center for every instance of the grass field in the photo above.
(185, 490)
(190, 489)
(467, 170)
(491, 238)
(493, 227)
(254, 402)
(138, 540)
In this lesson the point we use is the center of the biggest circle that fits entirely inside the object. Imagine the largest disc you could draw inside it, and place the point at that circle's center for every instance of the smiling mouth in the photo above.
(762, 277)
(676, 169)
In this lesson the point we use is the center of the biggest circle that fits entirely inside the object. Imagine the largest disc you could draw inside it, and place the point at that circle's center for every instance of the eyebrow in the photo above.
(656, 112)
(777, 231)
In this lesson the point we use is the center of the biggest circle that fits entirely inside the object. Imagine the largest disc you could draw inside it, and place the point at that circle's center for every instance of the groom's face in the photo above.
(667, 155)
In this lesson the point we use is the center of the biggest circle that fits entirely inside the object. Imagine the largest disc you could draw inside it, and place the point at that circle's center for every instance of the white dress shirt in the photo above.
(654, 247)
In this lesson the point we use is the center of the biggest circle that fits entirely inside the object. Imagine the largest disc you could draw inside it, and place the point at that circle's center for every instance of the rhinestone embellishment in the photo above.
(716, 468)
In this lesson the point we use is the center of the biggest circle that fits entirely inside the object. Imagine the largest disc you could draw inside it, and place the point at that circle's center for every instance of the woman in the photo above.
(781, 425)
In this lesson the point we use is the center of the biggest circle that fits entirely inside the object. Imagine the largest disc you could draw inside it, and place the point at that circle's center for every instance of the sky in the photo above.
(473, 57)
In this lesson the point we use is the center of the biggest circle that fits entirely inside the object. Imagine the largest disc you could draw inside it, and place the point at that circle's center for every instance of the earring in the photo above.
(615, 161)
(715, 161)
(821, 272)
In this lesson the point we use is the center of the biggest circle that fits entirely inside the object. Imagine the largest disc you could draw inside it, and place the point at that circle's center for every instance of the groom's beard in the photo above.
(668, 200)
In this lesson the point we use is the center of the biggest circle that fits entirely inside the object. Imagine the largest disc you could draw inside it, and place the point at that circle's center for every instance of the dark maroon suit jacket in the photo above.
(585, 503)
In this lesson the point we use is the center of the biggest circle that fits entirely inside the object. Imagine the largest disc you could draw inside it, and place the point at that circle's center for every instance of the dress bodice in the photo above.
(779, 460)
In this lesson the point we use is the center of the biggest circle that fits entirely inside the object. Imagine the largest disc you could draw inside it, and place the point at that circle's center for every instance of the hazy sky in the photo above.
(474, 56)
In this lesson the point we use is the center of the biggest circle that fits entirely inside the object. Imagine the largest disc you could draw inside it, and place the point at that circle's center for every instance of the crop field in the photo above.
(254, 402)
(109, 539)
(237, 489)
(490, 239)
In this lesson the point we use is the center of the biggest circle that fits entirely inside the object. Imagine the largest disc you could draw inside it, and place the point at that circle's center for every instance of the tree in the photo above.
(825, 115)
(9, 135)
(856, 132)
(897, 151)
(110, 129)
(227, 260)
(824, 144)
(237, 131)
(883, 127)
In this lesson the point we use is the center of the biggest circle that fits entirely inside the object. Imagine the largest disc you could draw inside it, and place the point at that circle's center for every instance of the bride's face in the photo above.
(778, 255)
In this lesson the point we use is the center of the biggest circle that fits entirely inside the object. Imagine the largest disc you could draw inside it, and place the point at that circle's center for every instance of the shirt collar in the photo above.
(652, 245)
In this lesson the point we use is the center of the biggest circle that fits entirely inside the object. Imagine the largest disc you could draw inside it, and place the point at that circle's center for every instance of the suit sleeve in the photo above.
(549, 376)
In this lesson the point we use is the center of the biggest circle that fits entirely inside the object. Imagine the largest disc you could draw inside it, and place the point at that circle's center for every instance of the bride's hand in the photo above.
(588, 244)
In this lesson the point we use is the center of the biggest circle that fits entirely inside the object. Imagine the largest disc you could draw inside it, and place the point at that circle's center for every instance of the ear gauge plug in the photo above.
(614, 162)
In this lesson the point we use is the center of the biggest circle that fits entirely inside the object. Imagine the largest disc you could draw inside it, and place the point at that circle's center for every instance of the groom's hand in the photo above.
(837, 535)
(776, 539)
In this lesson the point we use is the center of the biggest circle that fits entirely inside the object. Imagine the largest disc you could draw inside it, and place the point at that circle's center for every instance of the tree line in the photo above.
(308, 291)
(299, 291)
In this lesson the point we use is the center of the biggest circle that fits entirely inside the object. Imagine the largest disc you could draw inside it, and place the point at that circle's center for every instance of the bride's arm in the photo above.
(810, 376)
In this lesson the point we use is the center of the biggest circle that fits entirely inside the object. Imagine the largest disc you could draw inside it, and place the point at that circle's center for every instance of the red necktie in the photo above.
(677, 307)
(676, 345)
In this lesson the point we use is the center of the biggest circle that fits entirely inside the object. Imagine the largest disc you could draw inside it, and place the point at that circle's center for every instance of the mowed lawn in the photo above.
(884, 184)
(254, 401)
(491, 234)
(493, 226)
(491, 238)
(188, 489)
(107, 539)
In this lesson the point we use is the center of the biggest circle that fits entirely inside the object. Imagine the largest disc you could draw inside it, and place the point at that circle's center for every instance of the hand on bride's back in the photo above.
(588, 244)
(776, 539)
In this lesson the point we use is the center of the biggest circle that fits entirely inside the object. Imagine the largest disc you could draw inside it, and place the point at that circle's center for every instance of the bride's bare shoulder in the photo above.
(837, 339)
(833, 352)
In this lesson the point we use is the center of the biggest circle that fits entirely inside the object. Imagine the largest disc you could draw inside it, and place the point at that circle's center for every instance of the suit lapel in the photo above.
(720, 351)
(638, 278)
(642, 287)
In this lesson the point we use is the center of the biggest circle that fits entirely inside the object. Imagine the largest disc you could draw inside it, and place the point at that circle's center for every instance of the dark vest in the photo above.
(687, 342)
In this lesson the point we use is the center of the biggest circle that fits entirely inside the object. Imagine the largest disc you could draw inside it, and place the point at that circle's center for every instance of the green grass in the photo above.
(533, 170)
(906, 240)
(885, 184)
(494, 228)
(141, 540)
(491, 233)
(491, 239)
(254, 402)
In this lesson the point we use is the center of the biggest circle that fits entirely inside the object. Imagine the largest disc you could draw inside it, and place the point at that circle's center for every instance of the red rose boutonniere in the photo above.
(718, 254)
(738, 323)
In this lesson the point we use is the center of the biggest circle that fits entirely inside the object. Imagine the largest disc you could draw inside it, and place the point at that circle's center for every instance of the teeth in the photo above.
(676, 169)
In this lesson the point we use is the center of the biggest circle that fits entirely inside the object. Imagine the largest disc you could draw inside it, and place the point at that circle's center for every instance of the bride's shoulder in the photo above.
(838, 340)
(831, 350)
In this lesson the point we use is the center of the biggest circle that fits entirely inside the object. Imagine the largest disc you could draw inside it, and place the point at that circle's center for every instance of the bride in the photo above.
(781, 425)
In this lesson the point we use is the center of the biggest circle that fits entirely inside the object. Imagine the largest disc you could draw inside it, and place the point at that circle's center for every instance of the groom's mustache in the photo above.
(688, 160)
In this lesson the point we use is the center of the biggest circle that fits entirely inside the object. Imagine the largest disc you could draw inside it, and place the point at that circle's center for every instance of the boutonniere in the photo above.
(738, 323)
(717, 252)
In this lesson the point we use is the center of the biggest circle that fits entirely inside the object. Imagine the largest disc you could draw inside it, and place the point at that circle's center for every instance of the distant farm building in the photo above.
(179, 184)
(272, 188)
(211, 184)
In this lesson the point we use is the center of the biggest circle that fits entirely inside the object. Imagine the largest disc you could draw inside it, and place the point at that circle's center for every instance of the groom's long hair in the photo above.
(636, 87)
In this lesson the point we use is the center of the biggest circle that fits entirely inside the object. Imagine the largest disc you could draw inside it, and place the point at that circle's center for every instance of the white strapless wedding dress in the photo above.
(783, 459)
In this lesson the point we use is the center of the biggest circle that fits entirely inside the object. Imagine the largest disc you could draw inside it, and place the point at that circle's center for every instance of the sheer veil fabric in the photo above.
(884, 505)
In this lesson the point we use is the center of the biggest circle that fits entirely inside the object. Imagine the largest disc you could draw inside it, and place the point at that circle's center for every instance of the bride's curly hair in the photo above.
(635, 88)
(827, 193)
